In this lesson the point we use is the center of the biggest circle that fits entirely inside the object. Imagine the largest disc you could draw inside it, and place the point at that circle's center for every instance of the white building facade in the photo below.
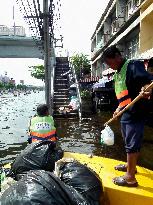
(120, 24)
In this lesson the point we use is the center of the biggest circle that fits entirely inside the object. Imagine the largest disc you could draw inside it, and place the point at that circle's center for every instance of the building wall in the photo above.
(146, 32)
(121, 25)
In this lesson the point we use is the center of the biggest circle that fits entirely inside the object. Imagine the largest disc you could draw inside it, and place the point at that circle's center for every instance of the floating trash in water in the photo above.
(7, 127)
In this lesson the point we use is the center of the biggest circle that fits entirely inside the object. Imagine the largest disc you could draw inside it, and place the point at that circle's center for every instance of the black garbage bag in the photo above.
(40, 155)
(39, 187)
(83, 179)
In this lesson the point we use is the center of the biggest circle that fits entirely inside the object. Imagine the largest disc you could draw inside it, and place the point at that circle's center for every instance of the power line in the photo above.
(31, 10)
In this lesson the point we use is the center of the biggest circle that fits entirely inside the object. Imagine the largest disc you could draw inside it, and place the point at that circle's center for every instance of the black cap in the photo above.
(42, 110)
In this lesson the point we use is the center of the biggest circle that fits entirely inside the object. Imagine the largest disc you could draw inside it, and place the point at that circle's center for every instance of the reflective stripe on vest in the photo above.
(51, 138)
(37, 134)
(121, 88)
(124, 103)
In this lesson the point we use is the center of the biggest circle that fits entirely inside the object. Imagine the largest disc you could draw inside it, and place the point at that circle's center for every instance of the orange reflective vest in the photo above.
(42, 128)
(121, 90)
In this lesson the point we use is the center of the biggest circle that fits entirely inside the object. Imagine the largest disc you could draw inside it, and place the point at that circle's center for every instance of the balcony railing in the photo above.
(131, 8)
(117, 23)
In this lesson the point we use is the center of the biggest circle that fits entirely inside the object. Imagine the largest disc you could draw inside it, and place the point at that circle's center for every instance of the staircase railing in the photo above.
(77, 88)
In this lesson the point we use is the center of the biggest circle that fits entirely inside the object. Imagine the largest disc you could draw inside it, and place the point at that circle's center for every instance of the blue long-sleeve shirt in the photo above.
(136, 78)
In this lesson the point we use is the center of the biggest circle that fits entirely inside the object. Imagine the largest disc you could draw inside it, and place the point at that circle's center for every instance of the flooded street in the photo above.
(15, 113)
(76, 136)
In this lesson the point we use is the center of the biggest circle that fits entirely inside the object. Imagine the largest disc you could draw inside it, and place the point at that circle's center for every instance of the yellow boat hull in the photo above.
(117, 195)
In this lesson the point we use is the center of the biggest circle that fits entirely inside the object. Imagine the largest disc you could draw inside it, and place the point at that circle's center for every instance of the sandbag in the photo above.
(38, 155)
(39, 187)
(82, 179)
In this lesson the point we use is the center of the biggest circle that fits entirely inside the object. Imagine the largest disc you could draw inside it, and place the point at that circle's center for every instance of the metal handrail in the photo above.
(78, 88)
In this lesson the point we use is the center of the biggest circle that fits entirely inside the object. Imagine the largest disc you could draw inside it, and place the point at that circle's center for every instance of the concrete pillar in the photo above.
(47, 62)
(93, 70)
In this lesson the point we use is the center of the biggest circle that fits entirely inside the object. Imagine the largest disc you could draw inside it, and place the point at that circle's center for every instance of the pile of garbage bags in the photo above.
(81, 178)
(71, 183)
(74, 103)
(36, 156)
(41, 187)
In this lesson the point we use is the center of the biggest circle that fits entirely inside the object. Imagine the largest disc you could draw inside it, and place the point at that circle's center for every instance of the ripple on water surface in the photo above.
(15, 113)
(75, 136)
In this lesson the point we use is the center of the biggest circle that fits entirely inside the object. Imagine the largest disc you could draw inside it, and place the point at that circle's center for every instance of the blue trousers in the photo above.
(133, 135)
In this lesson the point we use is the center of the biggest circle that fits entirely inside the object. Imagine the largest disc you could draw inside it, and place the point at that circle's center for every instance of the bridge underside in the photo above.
(19, 47)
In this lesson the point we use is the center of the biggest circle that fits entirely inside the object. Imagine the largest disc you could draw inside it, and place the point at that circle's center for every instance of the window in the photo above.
(129, 5)
(136, 3)
(129, 9)
(133, 48)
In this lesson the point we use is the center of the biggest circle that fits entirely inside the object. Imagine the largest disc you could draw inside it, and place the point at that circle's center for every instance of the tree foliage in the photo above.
(21, 87)
(38, 72)
(1, 85)
(9, 86)
(81, 64)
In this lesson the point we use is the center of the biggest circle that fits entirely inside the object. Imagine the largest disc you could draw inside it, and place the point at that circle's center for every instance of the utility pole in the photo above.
(14, 27)
(47, 61)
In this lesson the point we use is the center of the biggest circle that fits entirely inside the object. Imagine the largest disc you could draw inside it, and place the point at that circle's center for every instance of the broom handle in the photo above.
(129, 105)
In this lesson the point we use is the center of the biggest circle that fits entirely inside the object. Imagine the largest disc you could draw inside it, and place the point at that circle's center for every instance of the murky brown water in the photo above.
(76, 136)
(15, 113)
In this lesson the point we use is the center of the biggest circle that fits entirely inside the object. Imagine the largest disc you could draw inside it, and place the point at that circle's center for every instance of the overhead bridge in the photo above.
(20, 47)
(27, 47)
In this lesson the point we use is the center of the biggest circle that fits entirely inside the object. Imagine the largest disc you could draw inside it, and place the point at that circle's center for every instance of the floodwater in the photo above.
(15, 113)
(75, 136)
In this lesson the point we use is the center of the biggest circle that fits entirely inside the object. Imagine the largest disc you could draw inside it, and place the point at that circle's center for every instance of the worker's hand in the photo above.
(146, 94)
(116, 112)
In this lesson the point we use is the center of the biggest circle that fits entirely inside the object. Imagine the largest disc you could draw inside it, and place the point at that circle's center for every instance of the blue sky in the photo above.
(78, 21)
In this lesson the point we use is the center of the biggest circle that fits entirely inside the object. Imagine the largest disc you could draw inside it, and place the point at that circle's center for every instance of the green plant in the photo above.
(85, 94)
(81, 64)
(9, 86)
(1, 85)
(21, 87)
(38, 72)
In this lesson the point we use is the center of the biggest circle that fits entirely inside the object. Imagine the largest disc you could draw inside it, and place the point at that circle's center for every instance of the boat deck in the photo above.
(117, 195)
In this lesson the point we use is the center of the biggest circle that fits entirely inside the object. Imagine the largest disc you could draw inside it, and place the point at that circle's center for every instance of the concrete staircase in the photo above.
(61, 86)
